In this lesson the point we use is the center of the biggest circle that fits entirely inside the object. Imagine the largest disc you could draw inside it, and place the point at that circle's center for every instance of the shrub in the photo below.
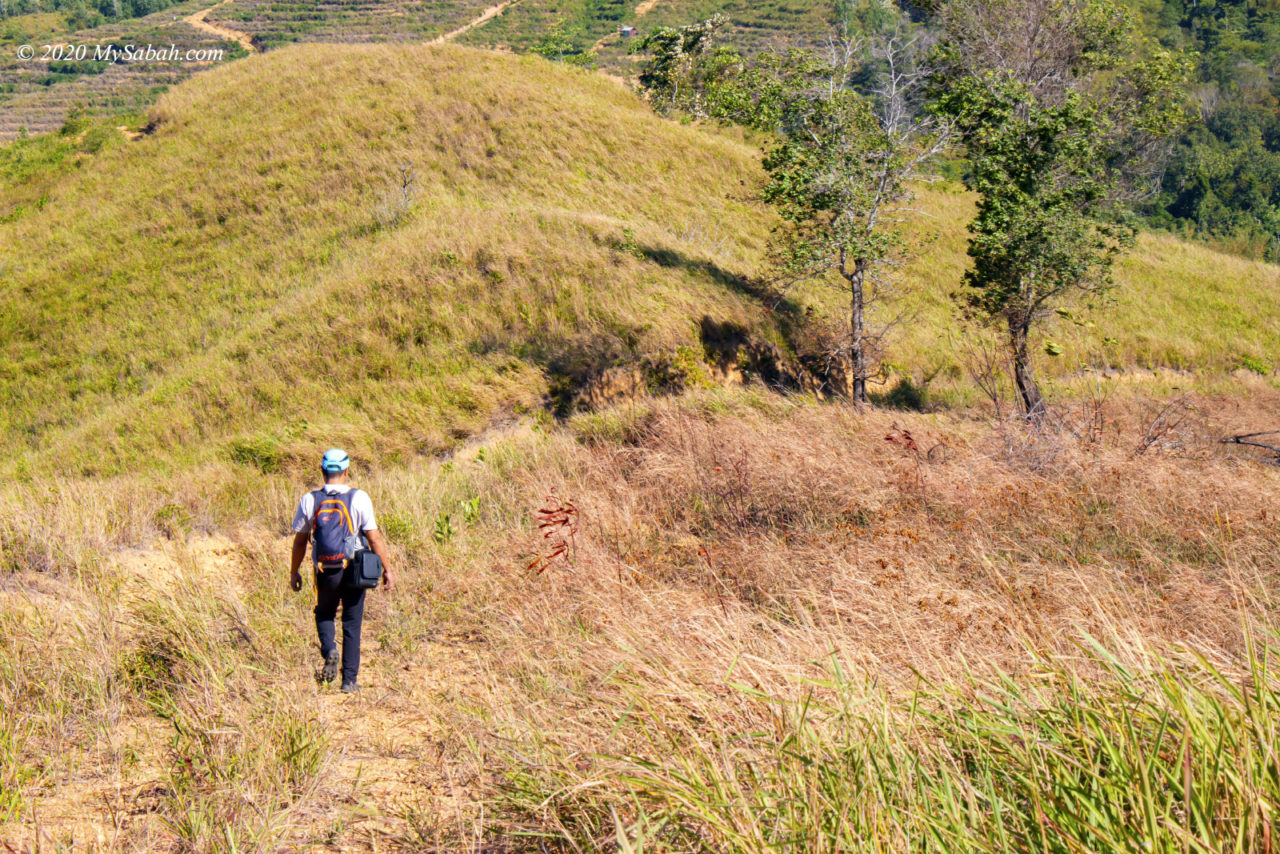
(261, 452)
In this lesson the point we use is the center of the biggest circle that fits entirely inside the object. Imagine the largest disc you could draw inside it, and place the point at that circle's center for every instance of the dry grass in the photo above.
(734, 553)
(730, 547)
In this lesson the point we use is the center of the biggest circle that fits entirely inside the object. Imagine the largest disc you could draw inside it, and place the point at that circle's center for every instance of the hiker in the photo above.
(340, 517)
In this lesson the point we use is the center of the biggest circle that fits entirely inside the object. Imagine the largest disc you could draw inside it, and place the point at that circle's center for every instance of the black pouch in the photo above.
(365, 570)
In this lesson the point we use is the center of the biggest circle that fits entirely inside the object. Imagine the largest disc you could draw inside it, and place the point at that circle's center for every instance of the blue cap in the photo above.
(335, 460)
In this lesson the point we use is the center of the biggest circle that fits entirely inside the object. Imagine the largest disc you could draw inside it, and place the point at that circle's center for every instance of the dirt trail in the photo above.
(221, 31)
(391, 755)
(487, 15)
(392, 762)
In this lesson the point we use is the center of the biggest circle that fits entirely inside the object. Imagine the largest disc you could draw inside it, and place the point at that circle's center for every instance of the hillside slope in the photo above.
(248, 267)
(250, 279)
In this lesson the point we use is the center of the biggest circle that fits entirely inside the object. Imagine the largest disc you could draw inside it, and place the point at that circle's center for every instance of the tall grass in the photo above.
(671, 676)
(1141, 751)
(145, 665)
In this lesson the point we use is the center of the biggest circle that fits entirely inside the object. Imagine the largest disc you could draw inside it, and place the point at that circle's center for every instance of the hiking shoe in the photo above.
(350, 688)
(330, 671)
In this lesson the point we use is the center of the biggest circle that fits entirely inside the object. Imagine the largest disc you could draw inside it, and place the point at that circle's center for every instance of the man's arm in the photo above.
(379, 547)
(300, 540)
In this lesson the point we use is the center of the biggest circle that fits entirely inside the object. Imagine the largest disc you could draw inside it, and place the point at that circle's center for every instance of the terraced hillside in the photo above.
(37, 97)
(520, 26)
(753, 27)
(274, 22)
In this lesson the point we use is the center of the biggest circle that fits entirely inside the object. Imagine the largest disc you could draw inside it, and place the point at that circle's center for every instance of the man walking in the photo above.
(336, 509)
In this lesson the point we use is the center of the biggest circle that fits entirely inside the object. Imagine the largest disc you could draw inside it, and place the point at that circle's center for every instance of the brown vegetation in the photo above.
(158, 683)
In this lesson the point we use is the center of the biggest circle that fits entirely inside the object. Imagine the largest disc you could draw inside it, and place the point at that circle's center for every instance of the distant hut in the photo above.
(627, 32)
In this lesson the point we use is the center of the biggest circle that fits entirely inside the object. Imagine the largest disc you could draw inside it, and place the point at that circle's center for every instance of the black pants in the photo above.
(329, 593)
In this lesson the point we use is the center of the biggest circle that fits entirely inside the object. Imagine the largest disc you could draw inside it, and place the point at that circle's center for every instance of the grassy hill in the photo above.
(37, 97)
(237, 273)
(250, 278)
(777, 622)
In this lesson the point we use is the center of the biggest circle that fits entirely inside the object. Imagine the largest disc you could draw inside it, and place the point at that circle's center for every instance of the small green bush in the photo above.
(261, 452)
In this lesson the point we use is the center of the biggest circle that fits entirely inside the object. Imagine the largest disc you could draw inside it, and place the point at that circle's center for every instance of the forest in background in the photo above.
(1223, 180)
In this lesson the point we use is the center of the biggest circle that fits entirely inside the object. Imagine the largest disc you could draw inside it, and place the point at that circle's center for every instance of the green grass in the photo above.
(1165, 752)
(33, 27)
(1174, 305)
(245, 288)
(240, 285)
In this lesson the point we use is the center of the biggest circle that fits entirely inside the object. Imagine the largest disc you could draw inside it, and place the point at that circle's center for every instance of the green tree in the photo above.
(846, 142)
(560, 44)
(840, 170)
(1063, 114)
(555, 43)
(687, 66)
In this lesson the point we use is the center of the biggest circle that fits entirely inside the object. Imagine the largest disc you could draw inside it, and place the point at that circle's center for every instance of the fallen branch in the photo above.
(1247, 439)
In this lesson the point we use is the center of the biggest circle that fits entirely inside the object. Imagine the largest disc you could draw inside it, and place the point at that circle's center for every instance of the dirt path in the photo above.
(221, 31)
(395, 761)
(645, 8)
(487, 15)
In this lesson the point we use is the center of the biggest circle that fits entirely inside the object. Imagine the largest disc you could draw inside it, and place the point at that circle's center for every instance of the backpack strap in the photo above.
(317, 496)
(359, 532)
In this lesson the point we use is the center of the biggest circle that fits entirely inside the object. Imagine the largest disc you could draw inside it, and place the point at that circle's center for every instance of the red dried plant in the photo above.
(902, 437)
(558, 523)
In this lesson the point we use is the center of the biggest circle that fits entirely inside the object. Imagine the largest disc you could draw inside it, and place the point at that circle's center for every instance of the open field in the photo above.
(736, 553)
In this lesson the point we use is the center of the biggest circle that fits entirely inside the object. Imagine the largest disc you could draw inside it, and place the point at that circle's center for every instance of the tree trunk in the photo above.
(857, 334)
(1023, 376)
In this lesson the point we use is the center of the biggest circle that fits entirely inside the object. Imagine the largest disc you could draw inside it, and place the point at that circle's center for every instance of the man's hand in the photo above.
(387, 580)
(295, 560)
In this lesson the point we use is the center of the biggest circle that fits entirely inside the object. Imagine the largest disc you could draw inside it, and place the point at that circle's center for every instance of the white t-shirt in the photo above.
(361, 509)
